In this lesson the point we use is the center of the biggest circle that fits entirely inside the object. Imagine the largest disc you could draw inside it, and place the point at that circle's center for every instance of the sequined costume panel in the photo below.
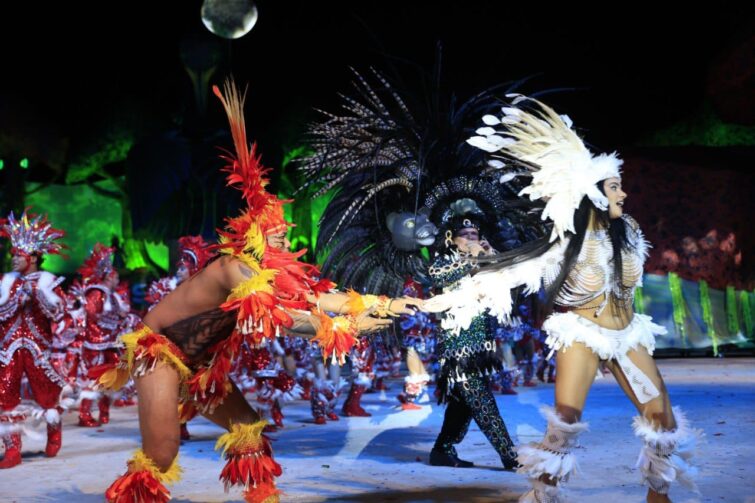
(469, 400)
(28, 305)
(159, 289)
(473, 351)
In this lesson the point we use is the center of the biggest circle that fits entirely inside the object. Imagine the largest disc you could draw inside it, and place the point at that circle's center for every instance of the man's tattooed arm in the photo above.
(234, 272)
(245, 270)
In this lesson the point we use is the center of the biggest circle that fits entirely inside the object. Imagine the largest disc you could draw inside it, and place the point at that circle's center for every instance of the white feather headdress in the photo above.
(563, 169)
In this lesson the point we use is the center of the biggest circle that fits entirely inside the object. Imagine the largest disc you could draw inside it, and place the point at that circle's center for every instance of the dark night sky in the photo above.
(638, 69)
(70, 74)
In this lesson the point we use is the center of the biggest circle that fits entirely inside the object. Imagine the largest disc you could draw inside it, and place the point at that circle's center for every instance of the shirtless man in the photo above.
(191, 319)
(184, 350)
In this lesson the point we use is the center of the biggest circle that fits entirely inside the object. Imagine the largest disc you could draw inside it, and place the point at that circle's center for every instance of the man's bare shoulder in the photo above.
(228, 271)
(203, 291)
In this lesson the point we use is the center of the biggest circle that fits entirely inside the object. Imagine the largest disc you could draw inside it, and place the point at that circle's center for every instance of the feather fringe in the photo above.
(491, 291)
(536, 459)
(250, 461)
(666, 455)
(542, 493)
(564, 329)
(26, 419)
(143, 349)
(336, 336)
(143, 482)
(7, 428)
(265, 492)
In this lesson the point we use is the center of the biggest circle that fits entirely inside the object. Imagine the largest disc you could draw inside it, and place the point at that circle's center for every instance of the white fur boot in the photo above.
(552, 456)
(665, 455)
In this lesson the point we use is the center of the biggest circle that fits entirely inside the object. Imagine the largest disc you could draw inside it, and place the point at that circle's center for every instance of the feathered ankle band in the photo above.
(250, 462)
(665, 456)
(552, 455)
(143, 482)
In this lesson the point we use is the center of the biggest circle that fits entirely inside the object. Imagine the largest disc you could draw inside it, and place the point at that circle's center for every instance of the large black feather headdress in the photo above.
(401, 169)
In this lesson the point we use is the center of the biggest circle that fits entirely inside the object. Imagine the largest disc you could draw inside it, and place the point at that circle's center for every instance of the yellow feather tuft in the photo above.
(242, 437)
(257, 283)
(226, 250)
(164, 354)
(342, 324)
(113, 379)
(204, 379)
(255, 240)
(130, 341)
(356, 302)
(142, 462)
(250, 261)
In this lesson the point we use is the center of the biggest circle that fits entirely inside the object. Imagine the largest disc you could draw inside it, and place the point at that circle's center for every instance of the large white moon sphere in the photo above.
(229, 19)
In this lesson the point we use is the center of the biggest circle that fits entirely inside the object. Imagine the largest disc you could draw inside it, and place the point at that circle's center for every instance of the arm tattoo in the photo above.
(246, 271)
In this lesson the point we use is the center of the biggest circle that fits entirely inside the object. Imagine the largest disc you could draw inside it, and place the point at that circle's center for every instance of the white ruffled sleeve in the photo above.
(490, 291)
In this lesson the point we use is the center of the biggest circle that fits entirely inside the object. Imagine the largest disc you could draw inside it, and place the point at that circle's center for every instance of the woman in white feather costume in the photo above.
(590, 267)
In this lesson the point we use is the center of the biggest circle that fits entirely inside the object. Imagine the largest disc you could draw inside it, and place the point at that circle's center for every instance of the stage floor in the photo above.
(384, 458)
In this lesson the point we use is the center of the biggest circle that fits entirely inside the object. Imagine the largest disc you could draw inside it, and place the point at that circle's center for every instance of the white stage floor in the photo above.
(384, 458)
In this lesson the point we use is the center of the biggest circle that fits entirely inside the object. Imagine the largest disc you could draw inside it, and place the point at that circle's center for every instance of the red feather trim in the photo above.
(141, 486)
(336, 336)
(265, 492)
(251, 467)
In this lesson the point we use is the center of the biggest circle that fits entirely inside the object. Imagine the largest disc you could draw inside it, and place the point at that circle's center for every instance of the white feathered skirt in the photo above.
(564, 329)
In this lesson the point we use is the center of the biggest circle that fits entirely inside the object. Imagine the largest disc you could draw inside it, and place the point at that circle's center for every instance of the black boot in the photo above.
(440, 458)
(510, 464)
(455, 425)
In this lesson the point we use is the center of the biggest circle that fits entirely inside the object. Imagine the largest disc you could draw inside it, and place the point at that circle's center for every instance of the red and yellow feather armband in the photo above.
(259, 313)
(336, 336)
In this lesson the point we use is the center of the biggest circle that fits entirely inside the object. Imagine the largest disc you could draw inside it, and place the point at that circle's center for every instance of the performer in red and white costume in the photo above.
(126, 396)
(362, 360)
(30, 300)
(274, 385)
(106, 311)
(67, 338)
(194, 253)
(419, 340)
